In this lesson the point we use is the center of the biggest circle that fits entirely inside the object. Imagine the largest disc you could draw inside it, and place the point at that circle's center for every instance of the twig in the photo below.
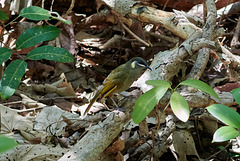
(197, 131)
(163, 143)
(63, 97)
(218, 152)
(165, 5)
(164, 37)
(68, 11)
(234, 58)
(31, 109)
(159, 118)
(153, 145)
(135, 36)
(11, 103)
(11, 21)
(51, 5)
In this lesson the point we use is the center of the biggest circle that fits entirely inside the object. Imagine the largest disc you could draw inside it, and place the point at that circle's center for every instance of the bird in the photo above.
(120, 79)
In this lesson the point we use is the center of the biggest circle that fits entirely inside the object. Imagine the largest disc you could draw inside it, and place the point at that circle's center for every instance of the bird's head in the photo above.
(139, 63)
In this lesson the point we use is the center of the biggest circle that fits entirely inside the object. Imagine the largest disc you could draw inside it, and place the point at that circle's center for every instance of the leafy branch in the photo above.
(179, 105)
(29, 38)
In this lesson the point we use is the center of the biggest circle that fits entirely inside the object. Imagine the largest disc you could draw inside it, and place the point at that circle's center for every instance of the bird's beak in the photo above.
(148, 67)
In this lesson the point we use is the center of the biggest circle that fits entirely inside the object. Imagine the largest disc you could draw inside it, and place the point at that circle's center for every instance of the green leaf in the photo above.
(236, 95)
(35, 13)
(5, 54)
(12, 77)
(35, 35)
(225, 114)
(147, 102)
(3, 16)
(50, 53)
(6, 143)
(200, 85)
(179, 106)
(225, 133)
(159, 83)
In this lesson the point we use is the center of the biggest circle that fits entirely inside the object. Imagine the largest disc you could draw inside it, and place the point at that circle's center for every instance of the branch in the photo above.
(101, 135)
(208, 34)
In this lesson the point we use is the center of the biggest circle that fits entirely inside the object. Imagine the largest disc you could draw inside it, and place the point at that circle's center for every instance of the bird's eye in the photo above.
(137, 64)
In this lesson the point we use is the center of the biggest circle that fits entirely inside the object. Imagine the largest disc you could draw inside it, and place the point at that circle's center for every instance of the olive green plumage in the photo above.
(120, 79)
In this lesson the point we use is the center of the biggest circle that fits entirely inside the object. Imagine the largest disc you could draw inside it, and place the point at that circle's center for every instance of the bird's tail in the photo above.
(91, 102)
(102, 93)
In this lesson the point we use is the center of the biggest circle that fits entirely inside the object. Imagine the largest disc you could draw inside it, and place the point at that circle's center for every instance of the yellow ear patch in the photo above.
(133, 64)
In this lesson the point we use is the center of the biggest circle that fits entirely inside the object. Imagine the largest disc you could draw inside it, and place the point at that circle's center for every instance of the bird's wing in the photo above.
(113, 82)
(109, 87)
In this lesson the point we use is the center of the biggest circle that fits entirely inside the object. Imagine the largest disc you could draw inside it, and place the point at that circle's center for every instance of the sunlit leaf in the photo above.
(225, 114)
(200, 85)
(147, 102)
(236, 95)
(225, 133)
(6, 143)
(179, 106)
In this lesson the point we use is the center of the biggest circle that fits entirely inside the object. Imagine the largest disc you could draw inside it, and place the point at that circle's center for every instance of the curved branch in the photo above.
(208, 33)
